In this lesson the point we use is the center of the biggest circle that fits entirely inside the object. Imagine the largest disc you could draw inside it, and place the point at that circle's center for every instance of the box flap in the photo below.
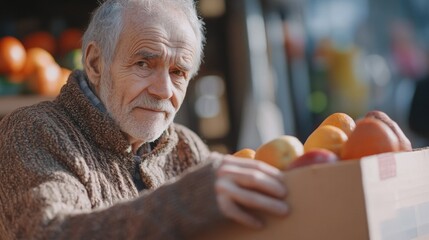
(396, 190)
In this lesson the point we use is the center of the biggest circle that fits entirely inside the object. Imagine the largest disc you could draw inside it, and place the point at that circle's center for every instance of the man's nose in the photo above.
(161, 85)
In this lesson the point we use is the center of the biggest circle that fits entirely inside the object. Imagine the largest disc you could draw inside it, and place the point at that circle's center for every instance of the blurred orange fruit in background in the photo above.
(64, 76)
(45, 80)
(69, 39)
(36, 57)
(41, 39)
(12, 55)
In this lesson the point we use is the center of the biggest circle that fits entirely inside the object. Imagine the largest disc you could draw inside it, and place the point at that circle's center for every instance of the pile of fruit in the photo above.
(338, 138)
(38, 63)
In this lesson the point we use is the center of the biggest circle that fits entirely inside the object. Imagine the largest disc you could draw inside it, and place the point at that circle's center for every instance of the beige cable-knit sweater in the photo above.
(66, 173)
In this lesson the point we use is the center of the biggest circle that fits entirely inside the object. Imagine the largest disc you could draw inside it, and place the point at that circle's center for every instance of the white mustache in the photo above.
(154, 104)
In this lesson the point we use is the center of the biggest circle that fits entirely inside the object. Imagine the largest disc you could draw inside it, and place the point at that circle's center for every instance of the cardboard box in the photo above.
(384, 196)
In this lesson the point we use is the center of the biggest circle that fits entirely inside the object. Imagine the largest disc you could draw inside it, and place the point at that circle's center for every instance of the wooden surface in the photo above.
(10, 103)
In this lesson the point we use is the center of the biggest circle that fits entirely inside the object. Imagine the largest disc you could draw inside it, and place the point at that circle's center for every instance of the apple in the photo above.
(404, 142)
(280, 151)
(314, 156)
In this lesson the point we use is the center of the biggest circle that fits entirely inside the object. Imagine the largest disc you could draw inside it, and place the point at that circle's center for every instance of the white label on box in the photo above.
(396, 188)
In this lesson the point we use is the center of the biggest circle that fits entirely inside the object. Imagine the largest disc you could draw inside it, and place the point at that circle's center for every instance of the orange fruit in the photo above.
(327, 137)
(36, 57)
(64, 76)
(280, 152)
(16, 77)
(245, 153)
(45, 80)
(69, 39)
(341, 120)
(404, 142)
(371, 136)
(41, 39)
(12, 55)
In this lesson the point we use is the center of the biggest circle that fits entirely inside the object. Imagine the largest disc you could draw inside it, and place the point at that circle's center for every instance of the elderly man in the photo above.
(104, 160)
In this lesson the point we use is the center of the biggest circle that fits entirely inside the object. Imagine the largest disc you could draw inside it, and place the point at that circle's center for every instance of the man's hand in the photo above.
(251, 184)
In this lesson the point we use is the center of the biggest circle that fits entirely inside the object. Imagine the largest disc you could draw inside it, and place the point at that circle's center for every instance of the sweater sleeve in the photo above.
(41, 199)
(165, 213)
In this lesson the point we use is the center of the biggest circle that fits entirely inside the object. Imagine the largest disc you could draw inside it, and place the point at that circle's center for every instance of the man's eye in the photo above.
(142, 63)
(178, 72)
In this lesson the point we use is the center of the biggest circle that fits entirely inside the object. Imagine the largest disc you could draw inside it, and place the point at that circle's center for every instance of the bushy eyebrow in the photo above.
(151, 55)
(147, 55)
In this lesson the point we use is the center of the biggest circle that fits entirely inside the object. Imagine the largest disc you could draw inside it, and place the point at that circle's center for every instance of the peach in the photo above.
(280, 152)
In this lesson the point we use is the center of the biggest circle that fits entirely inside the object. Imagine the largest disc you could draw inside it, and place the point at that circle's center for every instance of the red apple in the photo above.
(314, 156)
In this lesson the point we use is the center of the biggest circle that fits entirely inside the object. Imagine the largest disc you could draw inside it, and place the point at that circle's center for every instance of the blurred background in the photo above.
(271, 67)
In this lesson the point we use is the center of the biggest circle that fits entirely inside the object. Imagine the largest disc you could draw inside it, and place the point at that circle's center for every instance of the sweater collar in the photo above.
(97, 125)
(89, 93)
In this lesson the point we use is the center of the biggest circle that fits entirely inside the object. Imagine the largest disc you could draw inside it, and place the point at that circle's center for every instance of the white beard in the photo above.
(146, 129)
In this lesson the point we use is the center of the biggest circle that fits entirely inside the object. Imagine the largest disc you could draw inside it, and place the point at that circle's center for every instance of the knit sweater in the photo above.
(66, 172)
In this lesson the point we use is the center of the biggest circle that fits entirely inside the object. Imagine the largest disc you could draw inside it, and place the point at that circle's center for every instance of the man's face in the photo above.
(149, 74)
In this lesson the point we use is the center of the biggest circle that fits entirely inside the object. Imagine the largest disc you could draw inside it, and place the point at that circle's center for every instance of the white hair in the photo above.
(106, 25)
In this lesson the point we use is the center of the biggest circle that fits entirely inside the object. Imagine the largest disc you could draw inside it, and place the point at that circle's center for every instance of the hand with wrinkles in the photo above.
(247, 184)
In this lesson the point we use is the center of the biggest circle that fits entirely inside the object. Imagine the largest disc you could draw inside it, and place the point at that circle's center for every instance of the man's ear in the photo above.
(93, 64)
